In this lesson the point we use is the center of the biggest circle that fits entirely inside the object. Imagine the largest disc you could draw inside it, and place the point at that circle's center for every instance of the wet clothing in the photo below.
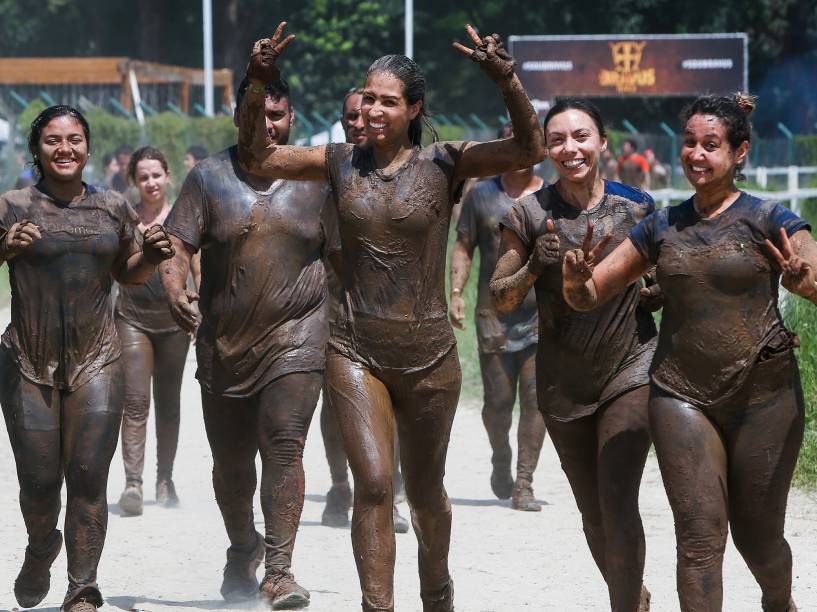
(393, 235)
(478, 226)
(263, 284)
(603, 456)
(502, 373)
(159, 357)
(393, 358)
(751, 442)
(585, 359)
(78, 430)
(720, 289)
(62, 329)
(145, 307)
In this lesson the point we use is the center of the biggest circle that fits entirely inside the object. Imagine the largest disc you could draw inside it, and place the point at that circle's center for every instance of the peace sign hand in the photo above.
(798, 275)
(578, 264)
(265, 52)
(546, 250)
(489, 53)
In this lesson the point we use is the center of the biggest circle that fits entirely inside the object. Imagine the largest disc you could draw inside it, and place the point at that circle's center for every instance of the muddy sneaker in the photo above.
(166, 493)
(502, 481)
(338, 502)
(130, 502)
(523, 499)
(401, 525)
(80, 605)
(34, 579)
(441, 601)
(644, 602)
(239, 581)
(283, 592)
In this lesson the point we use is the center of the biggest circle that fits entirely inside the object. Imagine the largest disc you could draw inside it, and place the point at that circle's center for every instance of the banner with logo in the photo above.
(631, 65)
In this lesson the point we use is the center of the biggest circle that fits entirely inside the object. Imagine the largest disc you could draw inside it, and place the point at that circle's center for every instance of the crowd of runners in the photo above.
(301, 269)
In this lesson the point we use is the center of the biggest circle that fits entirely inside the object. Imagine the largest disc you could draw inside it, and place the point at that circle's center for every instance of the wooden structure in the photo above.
(111, 71)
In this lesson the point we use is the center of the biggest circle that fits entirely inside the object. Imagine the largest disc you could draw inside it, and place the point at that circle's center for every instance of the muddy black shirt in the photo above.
(263, 281)
(482, 210)
(62, 330)
(720, 289)
(145, 307)
(393, 235)
(585, 359)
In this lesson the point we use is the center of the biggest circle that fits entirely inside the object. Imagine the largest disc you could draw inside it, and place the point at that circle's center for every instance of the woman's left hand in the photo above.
(489, 53)
(156, 245)
(798, 274)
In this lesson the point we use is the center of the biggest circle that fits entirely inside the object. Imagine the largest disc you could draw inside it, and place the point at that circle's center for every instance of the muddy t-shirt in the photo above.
(721, 293)
(482, 210)
(145, 306)
(263, 281)
(393, 235)
(62, 330)
(585, 359)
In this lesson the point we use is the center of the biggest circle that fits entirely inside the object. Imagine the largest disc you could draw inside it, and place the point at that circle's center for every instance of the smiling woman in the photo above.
(65, 243)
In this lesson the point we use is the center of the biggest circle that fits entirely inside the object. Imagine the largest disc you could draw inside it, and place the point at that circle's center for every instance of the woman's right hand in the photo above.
(264, 55)
(19, 237)
(546, 250)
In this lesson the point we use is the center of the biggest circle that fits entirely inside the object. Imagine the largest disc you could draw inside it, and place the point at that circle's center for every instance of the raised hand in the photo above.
(489, 53)
(798, 275)
(546, 250)
(265, 52)
(578, 264)
(156, 245)
(19, 237)
(456, 312)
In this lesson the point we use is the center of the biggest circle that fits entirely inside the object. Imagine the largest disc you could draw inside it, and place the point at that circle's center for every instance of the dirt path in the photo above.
(501, 560)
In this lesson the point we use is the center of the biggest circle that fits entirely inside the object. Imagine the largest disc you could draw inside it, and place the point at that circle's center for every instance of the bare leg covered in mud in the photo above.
(603, 456)
(421, 406)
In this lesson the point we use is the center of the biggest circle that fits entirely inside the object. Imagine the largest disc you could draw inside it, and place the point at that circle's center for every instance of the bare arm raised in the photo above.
(527, 146)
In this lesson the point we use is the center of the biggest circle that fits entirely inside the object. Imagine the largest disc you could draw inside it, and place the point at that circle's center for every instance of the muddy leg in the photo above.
(137, 362)
(91, 418)
(693, 462)
(623, 443)
(366, 418)
(171, 353)
(531, 430)
(759, 482)
(339, 496)
(499, 395)
(425, 404)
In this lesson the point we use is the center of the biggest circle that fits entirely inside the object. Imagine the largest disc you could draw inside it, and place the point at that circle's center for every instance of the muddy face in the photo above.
(574, 145)
(352, 120)
(63, 149)
(152, 180)
(386, 112)
(706, 155)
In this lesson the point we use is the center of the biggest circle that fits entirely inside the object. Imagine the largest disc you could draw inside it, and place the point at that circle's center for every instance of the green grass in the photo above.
(5, 288)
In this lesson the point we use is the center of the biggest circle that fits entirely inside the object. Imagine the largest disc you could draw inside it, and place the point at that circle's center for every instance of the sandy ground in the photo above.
(501, 560)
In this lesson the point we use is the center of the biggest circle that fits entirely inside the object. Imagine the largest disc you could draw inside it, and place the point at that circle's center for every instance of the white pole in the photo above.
(207, 18)
(409, 27)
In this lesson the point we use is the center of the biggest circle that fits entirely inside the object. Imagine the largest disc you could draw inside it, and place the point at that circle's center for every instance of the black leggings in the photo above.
(160, 357)
(72, 435)
(732, 465)
(274, 422)
(603, 456)
(370, 405)
(501, 374)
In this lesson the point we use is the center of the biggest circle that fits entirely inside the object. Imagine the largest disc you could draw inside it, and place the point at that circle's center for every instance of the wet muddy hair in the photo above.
(43, 119)
(146, 153)
(349, 94)
(414, 89)
(579, 104)
(733, 112)
(279, 89)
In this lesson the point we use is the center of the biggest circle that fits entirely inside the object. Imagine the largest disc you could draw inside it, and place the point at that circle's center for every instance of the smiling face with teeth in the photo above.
(386, 112)
(708, 158)
(574, 145)
(63, 149)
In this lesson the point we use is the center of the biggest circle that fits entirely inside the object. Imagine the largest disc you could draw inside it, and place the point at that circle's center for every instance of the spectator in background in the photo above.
(119, 181)
(659, 174)
(608, 165)
(110, 166)
(194, 155)
(26, 176)
(633, 168)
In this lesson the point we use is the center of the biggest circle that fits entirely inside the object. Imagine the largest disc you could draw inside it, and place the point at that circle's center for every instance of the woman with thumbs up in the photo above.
(592, 381)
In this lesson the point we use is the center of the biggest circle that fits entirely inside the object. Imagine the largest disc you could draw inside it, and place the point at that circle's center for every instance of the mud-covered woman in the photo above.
(591, 369)
(726, 403)
(154, 349)
(392, 360)
(62, 395)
